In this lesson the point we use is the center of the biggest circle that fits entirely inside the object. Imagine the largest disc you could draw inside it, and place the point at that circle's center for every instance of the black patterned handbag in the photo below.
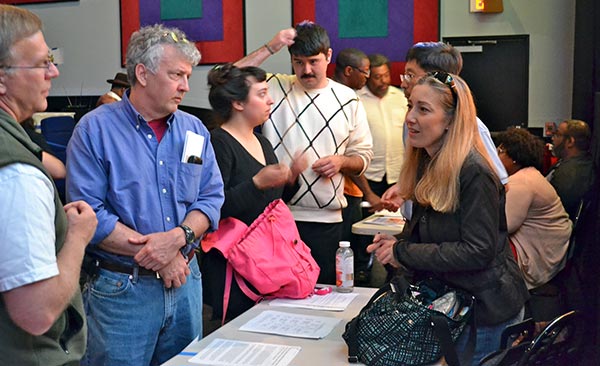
(404, 324)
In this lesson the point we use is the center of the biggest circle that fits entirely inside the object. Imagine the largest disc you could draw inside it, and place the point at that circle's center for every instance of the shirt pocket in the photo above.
(188, 182)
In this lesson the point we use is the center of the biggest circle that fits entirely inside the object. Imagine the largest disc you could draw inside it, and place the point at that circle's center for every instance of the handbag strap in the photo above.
(230, 274)
(245, 289)
(442, 332)
(227, 290)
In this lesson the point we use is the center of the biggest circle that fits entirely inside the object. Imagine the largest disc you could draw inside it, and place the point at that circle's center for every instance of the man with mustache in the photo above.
(323, 119)
(150, 173)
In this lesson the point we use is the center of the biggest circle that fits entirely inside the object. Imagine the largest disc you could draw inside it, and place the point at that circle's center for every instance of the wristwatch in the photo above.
(190, 237)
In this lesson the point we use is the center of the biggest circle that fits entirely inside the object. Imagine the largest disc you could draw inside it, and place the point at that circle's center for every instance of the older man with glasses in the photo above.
(41, 313)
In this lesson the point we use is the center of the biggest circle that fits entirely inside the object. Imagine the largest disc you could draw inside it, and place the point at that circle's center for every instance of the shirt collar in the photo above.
(136, 118)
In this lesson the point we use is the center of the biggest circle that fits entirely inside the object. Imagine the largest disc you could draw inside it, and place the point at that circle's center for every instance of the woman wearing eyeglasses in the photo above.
(538, 225)
(252, 176)
(457, 233)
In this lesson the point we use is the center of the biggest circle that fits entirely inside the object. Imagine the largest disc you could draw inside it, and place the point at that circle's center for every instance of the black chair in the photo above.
(509, 354)
(557, 345)
(58, 131)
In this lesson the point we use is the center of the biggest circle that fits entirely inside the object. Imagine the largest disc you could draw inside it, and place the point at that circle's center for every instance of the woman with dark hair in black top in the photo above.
(252, 176)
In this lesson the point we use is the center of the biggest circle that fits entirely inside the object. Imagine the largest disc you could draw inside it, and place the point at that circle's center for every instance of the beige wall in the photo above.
(88, 33)
(551, 28)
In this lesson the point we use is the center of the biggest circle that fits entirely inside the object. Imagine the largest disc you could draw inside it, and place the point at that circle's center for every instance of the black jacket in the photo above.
(469, 248)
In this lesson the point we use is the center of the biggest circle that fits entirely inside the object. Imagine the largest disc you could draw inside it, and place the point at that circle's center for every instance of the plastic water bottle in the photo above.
(344, 268)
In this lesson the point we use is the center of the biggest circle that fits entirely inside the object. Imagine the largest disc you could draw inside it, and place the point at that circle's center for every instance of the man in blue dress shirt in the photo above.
(149, 172)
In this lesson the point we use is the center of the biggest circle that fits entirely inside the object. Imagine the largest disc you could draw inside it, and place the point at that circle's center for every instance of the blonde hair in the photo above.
(438, 185)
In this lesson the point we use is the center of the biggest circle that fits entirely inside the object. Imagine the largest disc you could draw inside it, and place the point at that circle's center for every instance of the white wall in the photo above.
(88, 32)
(551, 28)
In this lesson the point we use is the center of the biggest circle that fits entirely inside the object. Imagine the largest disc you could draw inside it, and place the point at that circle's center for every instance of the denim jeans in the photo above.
(137, 321)
(488, 338)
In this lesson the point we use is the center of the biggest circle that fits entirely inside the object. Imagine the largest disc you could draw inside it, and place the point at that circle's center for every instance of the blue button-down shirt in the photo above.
(116, 164)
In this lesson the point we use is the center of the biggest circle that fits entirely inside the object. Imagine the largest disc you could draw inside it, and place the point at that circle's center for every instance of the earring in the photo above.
(514, 161)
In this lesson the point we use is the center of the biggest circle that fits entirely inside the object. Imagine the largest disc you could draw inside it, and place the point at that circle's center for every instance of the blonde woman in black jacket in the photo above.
(457, 232)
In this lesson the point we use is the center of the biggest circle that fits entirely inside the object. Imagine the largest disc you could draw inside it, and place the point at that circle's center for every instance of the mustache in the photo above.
(306, 76)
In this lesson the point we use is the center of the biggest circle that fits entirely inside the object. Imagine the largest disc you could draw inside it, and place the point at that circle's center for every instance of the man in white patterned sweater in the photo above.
(322, 119)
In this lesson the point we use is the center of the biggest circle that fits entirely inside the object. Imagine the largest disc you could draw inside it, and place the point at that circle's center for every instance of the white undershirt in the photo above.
(27, 234)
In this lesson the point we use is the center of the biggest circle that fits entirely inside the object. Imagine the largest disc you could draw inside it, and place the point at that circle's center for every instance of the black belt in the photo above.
(114, 267)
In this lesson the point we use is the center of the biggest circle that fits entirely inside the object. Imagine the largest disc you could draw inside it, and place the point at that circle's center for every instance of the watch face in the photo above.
(189, 234)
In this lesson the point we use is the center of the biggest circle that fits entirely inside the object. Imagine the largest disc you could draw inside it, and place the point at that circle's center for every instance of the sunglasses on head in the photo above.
(446, 79)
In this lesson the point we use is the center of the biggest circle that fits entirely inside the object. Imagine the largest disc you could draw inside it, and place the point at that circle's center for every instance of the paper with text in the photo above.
(225, 352)
(291, 325)
(333, 301)
(194, 144)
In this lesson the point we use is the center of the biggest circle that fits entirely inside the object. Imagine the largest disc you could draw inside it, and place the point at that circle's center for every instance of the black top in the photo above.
(244, 202)
(468, 248)
(572, 178)
(242, 199)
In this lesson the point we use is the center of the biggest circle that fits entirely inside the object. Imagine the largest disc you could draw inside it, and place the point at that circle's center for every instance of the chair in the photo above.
(556, 345)
(508, 354)
(58, 131)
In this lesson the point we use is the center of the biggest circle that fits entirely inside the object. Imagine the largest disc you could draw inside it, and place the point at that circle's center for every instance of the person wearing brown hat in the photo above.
(118, 86)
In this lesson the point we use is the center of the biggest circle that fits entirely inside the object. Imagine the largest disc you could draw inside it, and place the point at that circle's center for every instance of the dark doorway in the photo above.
(497, 71)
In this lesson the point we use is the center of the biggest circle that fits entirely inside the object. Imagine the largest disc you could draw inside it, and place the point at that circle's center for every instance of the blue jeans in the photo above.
(488, 338)
(137, 321)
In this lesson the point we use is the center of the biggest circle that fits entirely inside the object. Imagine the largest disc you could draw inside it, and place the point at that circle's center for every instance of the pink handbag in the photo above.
(269, 255)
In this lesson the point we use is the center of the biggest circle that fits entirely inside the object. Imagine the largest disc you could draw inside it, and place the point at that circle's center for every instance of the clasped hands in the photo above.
(160, 253)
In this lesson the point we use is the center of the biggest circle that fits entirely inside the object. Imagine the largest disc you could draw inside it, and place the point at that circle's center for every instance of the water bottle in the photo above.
(344, 268)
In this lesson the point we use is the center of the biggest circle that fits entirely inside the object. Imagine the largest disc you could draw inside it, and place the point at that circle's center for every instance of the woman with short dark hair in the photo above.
(252, 176)
(538, 225)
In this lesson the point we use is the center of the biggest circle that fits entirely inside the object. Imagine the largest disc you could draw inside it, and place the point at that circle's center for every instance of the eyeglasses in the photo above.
(47, 64)
(407, 77)
(447, 80)
(366, 73)
(557, 134)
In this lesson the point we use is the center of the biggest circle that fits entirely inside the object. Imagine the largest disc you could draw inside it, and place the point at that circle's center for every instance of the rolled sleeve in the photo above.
(87, 180)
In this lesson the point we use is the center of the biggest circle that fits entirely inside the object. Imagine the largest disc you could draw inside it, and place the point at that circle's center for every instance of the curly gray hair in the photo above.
(146, 48)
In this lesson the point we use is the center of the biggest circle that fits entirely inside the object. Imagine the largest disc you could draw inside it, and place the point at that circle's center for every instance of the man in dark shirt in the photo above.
(572, 176)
